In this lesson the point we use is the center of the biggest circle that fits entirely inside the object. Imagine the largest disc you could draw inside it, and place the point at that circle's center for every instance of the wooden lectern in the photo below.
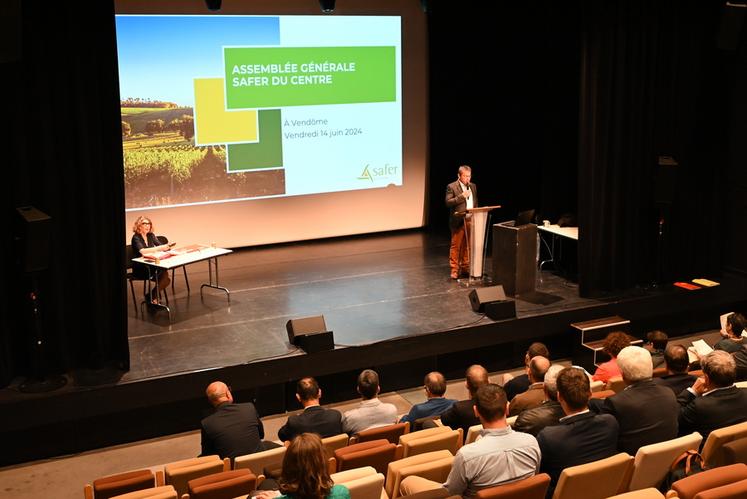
(476, 237)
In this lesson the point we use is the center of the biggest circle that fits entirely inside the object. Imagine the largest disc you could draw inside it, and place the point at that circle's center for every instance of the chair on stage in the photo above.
(165, 240)
(121, 483)
(129, 255)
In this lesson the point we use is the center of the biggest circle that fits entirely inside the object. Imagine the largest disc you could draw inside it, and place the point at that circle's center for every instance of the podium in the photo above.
(515, 257)
(476, 237)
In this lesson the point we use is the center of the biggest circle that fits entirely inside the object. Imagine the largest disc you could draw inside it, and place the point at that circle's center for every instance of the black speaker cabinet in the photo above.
(34, 228)
(493, 302)
(310, 333)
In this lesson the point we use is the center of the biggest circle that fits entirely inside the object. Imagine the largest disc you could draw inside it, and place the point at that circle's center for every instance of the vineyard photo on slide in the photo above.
(163, 167)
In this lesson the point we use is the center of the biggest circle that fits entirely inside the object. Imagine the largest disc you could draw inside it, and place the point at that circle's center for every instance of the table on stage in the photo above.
(556, 232)
(186, 255)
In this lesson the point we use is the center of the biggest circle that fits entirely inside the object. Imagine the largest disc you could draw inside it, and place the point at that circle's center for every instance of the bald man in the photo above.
(233, 429)
(434, 385)
(535, 395)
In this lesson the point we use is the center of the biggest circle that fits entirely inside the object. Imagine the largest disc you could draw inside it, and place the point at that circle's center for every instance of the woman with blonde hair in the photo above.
(144, 241)
(305, 474)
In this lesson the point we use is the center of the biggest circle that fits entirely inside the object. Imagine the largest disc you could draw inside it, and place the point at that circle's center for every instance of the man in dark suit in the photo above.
(713, 401)
(535, 395)
(521, 383)
(645, 411)
(462, 413)
(676, 379)
(314, 418)
(581, 436)
(460, 195)
(233, 429)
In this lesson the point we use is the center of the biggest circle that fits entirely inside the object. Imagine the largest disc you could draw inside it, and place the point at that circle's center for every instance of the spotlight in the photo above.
(328, 6)
(213, 4)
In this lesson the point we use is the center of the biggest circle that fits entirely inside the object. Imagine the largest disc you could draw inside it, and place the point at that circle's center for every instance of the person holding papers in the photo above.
(145, 242)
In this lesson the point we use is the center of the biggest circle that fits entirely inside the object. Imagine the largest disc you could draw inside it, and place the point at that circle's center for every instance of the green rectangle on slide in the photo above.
(306, 76)
(267, 153)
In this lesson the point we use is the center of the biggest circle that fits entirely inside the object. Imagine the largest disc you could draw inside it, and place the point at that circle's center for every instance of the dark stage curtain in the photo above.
(651, 85)
(64, 153)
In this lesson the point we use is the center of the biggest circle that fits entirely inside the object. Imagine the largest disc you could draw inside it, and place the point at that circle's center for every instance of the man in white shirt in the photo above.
(499, 456)
(372, 412)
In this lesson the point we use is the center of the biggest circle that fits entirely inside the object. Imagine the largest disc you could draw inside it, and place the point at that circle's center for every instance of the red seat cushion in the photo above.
(115, 485)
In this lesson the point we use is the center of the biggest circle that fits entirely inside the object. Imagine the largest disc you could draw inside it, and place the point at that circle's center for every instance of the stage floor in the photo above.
(370, 289)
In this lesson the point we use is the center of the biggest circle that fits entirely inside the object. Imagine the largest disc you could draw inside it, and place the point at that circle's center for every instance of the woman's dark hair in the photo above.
(305, 474)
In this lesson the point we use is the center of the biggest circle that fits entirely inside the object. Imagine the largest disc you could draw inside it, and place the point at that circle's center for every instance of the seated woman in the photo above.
(731, 340)
(613, 343)
(305, 474)
(144, 241)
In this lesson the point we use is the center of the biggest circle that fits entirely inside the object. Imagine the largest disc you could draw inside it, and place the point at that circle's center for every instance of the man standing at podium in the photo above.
(460, 196)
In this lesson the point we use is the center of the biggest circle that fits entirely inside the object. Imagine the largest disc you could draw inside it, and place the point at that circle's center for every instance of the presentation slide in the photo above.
(267, 122)
(239, 107)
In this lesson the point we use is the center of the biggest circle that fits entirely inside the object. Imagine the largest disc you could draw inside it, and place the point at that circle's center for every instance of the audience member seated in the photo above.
(657, 344)
(521, 383)
(713, 401)
(372, 412)
(462, 414)
(233, 429)
(314, 418)
(501, 455)
(613, 343)
(305, 474)
(437, 403)
(548, 413)
(676, 361)
(534, 396)
(646, 412)
(731, 340)
(581, 436)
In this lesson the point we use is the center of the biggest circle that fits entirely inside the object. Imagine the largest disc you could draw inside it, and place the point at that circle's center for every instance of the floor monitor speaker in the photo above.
(310, 334)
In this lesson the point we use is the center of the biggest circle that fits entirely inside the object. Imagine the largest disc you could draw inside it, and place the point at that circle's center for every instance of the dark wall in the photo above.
(504, 99)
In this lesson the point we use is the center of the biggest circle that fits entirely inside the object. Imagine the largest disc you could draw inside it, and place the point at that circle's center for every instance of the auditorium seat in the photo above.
(713, 454)
(616, 384)
(597, 385)
(439, 493)
(595, 480)
(735, 451)
(602, 394)
(121, 483)
(331, 444)
(653, 462)
(431, 439)
(223, 485)
(510, 421)
(659, 372)
(735, 490)
(690, 487)
(649, 493)
(363, 483)
(472, 433)
(179, 473)
(267, 463)
(162, 492)
(391, 432)
(375, 453)
(534, 487)
(431, 465)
